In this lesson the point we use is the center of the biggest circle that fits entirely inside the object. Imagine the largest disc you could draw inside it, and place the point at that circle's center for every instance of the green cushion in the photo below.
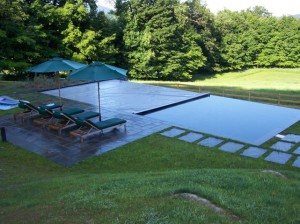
(79, 119)
(51, 106)
(27, 105)
(108, 123)
(69, 111)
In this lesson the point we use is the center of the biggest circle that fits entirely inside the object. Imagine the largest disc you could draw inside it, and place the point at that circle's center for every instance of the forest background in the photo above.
(153, 39)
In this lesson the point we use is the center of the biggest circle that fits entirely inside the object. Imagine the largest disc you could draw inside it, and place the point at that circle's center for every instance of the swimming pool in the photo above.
(125, 96)
(240, 120)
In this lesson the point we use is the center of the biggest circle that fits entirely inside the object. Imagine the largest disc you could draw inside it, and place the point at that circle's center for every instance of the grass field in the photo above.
(141, 182)
(278, 80)
(257, 79)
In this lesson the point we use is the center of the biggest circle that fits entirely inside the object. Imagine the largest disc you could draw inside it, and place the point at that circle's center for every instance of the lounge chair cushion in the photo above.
(31, 111)
(93, 128)
(107, 123)
(80, 118)
(69, 111)
(50, 106)
(26, 105)
(46, 110)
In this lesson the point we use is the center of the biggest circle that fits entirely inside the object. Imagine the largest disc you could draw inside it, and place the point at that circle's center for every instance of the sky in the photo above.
(276, 7)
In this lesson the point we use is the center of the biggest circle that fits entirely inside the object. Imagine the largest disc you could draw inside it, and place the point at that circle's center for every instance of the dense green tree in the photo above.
(19, 37)
(160, 42)
(121, 9)
(283, 46)
(154, 39)
(87, 41)
(238, 39)
(204, 24)
(255, 38)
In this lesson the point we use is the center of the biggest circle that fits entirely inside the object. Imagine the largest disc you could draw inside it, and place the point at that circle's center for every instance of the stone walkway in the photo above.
(283, 151)
(66, 150)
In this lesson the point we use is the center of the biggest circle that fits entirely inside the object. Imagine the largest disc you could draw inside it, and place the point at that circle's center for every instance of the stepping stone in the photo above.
(231, 147)
(278, 157)
(191, 137)
(297, 151)
(282, 146)
(297, 162)
(253, 152)
(210, 142)
(291, 138)
(173, 132)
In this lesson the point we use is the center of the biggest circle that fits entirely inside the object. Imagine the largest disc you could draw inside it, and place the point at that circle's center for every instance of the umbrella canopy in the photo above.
(98, 71)
(55, 65)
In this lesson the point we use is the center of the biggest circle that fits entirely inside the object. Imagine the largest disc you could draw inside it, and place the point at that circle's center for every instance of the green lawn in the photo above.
(140, 183)
(278, 80)
(257, 79)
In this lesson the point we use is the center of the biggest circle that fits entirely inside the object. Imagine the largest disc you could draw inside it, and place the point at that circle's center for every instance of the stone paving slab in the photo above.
(191, 137)
(282, 146)
(210, 142)
(292, 138)
(125, 96)
(231, 147)
(297, 151)
(66, 150)
(297, 162)
(172, 132)
(278, 157)
(253, 152)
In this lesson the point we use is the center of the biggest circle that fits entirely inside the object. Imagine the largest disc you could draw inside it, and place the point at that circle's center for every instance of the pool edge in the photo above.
(148, 111)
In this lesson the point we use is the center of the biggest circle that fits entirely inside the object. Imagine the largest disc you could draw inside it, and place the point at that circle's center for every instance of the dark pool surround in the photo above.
(148, 111)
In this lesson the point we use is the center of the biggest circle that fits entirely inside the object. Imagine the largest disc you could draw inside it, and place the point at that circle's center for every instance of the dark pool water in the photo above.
(240, 120)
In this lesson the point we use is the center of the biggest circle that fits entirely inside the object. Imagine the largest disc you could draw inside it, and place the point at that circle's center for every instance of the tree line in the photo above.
(153, 39)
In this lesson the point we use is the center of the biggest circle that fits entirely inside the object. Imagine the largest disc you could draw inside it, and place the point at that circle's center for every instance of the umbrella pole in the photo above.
(57, 73)
(99, 101)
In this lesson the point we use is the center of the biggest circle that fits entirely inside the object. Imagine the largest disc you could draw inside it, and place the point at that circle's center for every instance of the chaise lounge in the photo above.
(68, 120)
(31, 111)
(56, 116)
(92, 128)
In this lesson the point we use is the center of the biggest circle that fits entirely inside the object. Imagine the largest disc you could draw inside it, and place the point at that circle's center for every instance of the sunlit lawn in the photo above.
(139, 183)
(278, 80)
(256, 79)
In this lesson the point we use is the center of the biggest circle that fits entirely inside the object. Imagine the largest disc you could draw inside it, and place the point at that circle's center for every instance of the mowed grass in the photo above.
(256, 79)
(140, 182)
(270, 80)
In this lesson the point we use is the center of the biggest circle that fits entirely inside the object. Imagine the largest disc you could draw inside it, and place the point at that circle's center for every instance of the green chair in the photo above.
(68, 120)
(45, 113)
(31, 111)
(57, 118)
(92, 128)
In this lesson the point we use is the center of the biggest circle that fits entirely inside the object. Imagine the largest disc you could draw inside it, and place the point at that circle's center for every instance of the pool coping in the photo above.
(151, 110)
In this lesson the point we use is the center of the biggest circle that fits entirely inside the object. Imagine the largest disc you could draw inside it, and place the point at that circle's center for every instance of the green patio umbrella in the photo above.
(56, 65)
(98, 71)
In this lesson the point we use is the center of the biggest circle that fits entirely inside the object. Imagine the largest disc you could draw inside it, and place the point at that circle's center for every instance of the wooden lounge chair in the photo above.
(69, 120)
(58, 118)
(92, 128)
(31, 111)
(45, 113)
